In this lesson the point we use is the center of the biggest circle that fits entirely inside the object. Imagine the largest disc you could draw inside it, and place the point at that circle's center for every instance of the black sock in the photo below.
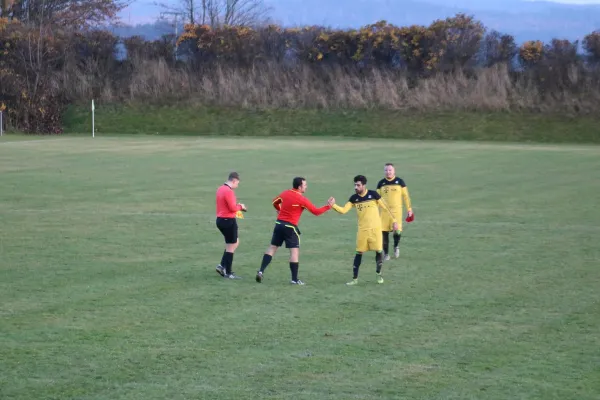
(294, 269)
(228, 262)
(357, 261)
(224, 259)
(265, 262)
(386, 242)
(396, 239)
(379, 261)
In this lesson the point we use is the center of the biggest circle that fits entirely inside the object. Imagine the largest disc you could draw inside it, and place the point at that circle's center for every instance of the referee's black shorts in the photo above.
(286, 232)
(229, 229)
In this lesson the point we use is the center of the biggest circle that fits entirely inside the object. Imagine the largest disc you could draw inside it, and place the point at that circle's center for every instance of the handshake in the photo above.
(331, 201)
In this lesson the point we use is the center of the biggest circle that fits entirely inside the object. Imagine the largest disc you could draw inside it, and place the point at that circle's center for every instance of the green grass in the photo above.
(187, 120)
(108, 288)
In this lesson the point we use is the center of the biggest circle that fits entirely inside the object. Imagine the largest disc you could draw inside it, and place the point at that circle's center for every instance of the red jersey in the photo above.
(226, 202)
(290, 204)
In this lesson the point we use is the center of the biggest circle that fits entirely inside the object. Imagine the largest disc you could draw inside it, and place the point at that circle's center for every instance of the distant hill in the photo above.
(152, 31)
(526, 20)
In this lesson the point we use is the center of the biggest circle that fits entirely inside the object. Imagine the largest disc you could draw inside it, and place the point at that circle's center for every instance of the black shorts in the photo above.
(229, 229)
(286, 232)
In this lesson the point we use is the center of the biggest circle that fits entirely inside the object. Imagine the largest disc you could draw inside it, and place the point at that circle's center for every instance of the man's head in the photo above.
(299, 184)
(360, 184)
(389, 170)
(233, 179)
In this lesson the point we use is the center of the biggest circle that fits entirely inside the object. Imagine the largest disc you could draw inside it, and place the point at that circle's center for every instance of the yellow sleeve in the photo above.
(384, 206)
(406, 198)
(343, 210)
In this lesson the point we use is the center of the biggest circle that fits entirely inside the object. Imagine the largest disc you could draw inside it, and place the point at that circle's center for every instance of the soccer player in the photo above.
(289, 205)
(367, 204)
(227, 211)
(393, 190)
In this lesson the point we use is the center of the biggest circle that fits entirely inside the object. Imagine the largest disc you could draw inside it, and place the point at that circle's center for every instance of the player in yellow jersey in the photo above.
(394, 192)
(367, 204)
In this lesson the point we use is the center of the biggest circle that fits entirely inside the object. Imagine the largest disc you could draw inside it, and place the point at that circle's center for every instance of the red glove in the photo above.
(410, 217)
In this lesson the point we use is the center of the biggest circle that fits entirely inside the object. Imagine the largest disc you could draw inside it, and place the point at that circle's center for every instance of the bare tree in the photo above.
(221, 12)
(245, 12)
(186, 8)
(74, 13)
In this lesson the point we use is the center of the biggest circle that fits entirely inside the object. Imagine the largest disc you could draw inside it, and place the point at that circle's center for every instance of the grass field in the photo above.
(108, 288)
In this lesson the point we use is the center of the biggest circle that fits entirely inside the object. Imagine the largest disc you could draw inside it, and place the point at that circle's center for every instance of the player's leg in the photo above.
(376, 244)
(397, 236)
(386, 227)
(355, 268)
(386, 244)
(266, 260)
(231, 243)
(221, 227)
(276, 242)
(229, 230)
(361, 247)
(229, 252)
(292, 242)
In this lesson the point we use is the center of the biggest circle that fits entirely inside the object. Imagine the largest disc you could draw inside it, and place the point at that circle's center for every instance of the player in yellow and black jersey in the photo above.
(367, 204)
(394, 192)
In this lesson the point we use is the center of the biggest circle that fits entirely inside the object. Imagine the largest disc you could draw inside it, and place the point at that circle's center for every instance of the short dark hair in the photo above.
(389, 164)
(297, 182)
(360, 178)
(233, 175)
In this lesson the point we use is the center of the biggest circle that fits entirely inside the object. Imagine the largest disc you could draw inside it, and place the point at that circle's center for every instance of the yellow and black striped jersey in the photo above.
(393, 192)
(367, 209)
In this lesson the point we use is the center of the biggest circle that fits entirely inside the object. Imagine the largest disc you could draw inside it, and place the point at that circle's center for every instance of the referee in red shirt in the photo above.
(290, 204)
(227, 207)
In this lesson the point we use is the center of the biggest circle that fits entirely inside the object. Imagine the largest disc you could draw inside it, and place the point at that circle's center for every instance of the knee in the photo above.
(294, 255)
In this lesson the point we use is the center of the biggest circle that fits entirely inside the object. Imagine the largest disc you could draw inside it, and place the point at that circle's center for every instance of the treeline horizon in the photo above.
(452, 64)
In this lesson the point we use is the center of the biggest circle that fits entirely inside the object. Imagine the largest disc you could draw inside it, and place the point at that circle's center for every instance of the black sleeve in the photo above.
(401, 182)
(375, 195)
(380, 184)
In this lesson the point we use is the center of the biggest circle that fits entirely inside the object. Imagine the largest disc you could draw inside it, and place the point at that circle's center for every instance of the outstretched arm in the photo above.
(314, 210)
(343, 210)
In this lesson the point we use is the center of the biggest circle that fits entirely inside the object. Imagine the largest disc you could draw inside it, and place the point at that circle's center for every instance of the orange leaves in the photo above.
(420, 47)
(531, 52)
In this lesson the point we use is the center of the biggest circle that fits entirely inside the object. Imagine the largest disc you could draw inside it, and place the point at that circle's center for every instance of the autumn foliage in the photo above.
(453, 62)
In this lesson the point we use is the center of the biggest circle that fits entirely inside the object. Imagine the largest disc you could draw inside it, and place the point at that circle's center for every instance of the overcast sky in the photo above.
(142, 11)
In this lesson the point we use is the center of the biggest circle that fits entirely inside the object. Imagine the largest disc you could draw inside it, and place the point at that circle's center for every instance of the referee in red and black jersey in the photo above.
(290, 204)
(227, 208)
